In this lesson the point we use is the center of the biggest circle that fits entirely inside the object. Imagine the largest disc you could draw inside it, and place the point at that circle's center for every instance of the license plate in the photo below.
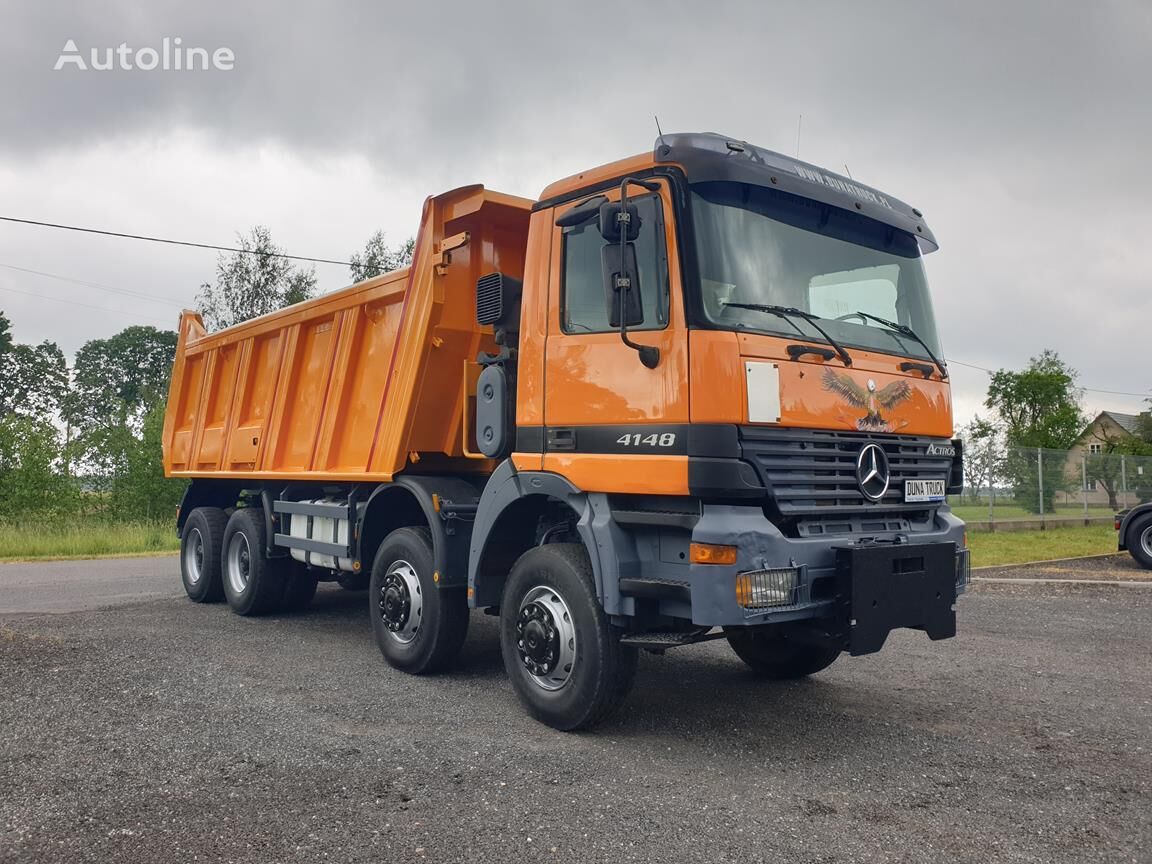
(923, 490)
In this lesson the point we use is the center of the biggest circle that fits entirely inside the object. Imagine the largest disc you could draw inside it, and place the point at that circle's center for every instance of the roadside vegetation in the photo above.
(80, 461)
(1019, 547)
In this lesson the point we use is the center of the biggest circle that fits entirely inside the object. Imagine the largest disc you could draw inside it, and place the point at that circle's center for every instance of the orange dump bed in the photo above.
(356, 384)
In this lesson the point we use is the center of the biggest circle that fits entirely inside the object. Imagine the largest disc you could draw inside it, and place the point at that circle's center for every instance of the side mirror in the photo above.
(622, 284)
(615, 221)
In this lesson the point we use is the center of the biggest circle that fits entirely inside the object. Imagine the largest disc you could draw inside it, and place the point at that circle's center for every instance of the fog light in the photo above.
(963, 568)
(711, 553)
(762, 589)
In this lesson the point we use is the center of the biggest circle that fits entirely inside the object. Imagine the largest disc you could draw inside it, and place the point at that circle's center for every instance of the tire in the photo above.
(201, 544)
(299, 587)
(562, 655)
(1138, 539)
(253, 583)
(770, 653)
(419, 627)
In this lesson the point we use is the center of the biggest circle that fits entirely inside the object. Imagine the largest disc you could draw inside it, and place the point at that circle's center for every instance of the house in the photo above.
(1095, 457)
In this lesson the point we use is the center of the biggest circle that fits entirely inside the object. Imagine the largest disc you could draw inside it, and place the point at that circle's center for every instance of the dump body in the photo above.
(356, 384)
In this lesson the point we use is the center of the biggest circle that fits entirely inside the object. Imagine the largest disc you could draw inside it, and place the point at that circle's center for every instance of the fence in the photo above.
(1031, 484)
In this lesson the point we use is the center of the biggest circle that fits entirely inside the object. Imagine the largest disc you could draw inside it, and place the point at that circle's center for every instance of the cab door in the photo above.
(611, 423)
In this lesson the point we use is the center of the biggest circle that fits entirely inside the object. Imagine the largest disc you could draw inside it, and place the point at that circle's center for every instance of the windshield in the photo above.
(757, 245)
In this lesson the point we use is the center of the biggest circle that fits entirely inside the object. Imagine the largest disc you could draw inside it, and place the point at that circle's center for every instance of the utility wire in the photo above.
(173, 242)
(1088, 389)
(165, 301)
(85, 305)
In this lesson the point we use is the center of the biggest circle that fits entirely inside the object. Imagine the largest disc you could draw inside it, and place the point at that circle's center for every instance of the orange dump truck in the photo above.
(692, 394)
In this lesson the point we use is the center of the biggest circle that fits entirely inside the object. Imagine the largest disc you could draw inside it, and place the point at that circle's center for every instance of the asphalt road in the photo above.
(166, 731)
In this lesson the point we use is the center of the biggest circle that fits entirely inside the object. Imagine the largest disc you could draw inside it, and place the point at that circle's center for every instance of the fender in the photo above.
(1138, 510)
(450, 536)
(602, 538)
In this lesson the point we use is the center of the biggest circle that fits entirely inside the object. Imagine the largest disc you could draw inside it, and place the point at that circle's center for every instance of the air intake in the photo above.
(498, 301)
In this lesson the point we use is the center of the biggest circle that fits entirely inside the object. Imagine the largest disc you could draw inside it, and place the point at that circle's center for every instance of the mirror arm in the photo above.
(649, 354)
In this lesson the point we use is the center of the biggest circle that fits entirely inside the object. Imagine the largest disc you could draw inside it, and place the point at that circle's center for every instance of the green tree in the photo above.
(31, 482)
(1040, 409)
(34, 380)
(116, 407)
(5, 334)
(378, 257)
(253, 283)
(983, 455)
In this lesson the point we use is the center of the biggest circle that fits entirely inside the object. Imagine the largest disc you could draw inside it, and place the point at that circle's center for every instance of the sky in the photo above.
(1021, 129)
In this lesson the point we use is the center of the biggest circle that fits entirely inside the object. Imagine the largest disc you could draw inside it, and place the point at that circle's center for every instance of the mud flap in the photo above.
(886, 586)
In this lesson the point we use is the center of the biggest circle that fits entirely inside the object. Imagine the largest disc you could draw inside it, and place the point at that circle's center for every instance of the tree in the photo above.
(253, 282)
(5, 334)
(1040, 409)
(31, 482)
(379, 258)
(34, 380)
(983, 454)
(117, 405)
(116, 380)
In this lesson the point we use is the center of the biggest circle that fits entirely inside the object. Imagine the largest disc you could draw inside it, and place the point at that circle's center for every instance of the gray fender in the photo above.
(1134, 513)
(449, 536)
(603, 539)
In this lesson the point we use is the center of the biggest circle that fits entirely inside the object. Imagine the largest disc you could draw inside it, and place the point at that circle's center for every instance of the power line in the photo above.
(1088, 389)
(165, 301)
(85, 305)
(173, 242)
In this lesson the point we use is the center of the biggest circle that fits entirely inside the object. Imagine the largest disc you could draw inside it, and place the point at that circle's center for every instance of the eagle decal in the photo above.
(870, 399)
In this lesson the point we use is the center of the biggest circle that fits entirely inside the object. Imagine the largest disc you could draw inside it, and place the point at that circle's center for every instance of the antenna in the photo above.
(849, 173)
(799, 123)
(659, 131)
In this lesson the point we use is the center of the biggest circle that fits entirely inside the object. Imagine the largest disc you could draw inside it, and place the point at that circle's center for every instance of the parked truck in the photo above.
(1134, 533)
(693, 394)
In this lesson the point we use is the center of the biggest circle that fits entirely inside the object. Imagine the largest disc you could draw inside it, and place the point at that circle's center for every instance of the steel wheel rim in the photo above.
(194, 556)
(546, 638)
(1146, 541)
(239, 562)
(401, 602)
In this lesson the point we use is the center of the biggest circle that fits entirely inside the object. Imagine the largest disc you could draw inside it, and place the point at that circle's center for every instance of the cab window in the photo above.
(583, 307)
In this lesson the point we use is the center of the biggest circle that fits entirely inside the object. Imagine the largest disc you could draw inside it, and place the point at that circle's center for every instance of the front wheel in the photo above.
(772, 654)
(563, 657)
(1138, 539)
(419, 626)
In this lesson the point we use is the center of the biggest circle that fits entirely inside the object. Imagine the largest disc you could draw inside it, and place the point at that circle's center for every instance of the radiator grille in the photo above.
(813, 473)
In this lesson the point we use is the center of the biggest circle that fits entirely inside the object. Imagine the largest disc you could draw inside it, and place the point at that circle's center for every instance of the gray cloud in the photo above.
(1021, 130)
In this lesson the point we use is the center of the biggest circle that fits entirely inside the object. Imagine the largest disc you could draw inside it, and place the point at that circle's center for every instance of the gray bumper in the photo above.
(761, 546)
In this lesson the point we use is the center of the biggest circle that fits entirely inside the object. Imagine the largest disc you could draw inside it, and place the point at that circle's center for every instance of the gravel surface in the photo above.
(1120, 566)
(168, 731)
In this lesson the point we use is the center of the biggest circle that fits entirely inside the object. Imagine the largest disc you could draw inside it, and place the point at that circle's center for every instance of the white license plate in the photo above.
(923, 490)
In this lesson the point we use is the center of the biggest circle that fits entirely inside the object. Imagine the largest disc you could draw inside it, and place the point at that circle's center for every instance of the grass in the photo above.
(979, 512)
(95, 539)
(1019, 547)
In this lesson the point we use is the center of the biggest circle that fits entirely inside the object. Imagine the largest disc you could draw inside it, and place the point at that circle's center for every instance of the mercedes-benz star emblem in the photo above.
(872, 471)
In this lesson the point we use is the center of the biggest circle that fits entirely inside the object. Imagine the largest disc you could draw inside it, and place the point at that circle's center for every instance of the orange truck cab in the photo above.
(694, 394)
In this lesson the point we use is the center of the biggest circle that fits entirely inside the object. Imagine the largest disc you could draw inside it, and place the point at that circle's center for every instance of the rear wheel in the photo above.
(253, 583)
(772, 654)
(419, 626)
(1138, 539)
(201, 543)
(563, 657)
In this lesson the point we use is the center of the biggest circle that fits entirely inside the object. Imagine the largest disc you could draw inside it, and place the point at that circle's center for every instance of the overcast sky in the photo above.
(1023, 130)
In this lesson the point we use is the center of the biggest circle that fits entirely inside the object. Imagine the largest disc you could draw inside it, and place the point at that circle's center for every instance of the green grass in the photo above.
(979, 512)
(1019, 547)
(79, 539)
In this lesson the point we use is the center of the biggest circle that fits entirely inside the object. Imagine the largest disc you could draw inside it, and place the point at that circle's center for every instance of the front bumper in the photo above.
(864, 587)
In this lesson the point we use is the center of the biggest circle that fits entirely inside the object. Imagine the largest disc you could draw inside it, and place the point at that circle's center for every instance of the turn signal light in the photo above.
(711, 553)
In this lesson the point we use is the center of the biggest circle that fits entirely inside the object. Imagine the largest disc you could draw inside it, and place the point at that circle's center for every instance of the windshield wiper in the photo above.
(905, 330)
(786, 312)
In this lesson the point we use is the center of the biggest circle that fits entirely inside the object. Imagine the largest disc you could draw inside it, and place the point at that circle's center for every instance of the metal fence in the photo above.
(1031, 483)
